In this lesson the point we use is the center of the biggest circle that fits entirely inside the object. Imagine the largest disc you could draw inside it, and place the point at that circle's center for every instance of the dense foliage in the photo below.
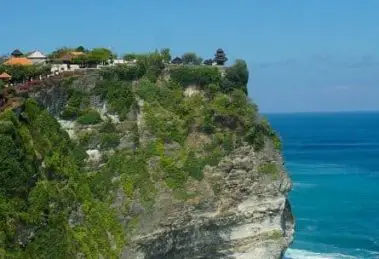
(55, 205)
(190, 58)
(195, 75)
(87, 57)
(48, 206)
(23, 73)
(236, 76)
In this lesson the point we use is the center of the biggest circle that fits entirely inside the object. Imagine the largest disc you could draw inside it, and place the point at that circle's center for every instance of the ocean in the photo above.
(333, 160)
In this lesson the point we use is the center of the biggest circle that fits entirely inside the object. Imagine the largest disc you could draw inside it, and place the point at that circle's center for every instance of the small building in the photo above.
(18, 61)
(17, 53)
(177, 61)
(118, 61)
(5, 78)
(37, 57)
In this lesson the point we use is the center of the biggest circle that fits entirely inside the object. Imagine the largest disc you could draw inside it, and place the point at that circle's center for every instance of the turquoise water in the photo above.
(333, 160)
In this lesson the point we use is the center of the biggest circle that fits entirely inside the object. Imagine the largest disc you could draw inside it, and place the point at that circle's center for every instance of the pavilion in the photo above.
(5, 78)
(17, 53)
(37, 57)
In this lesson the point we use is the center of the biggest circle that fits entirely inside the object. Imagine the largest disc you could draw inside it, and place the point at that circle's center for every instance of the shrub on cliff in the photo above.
(118, 94)
(42, 187)
(233, 111)
(109, 140)
(89, 117)
(123, 72)
(163, 124)
(236, 77)
(202, 76)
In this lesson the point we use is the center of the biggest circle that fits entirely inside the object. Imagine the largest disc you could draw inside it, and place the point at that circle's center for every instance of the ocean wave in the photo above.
(304, 254)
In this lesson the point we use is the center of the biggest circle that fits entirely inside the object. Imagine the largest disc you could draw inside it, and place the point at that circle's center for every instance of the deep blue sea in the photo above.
(333, 160)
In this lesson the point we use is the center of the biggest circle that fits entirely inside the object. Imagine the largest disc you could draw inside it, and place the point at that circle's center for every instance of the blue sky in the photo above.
(303, 55)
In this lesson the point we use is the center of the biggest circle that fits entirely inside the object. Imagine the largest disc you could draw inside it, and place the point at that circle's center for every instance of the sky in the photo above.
(303, 55)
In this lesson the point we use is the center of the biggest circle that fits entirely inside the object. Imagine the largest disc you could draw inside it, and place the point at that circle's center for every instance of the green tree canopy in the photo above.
(99, 55)
(191, 58)
(130, 56)
(21, 73)
(166, 55)
(81, 49)
(236, 77)
(60, 52)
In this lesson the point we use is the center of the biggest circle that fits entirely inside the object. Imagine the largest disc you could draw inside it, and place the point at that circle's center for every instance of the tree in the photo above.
(165, 53)
(82, 49)
(130, 56)
(208, 62)
(60, 52)
(151, 64)
(99, 55)
(190, 58)
(236, 76)
(220, 57)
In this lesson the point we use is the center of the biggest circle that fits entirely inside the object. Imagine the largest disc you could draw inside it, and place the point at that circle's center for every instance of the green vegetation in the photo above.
(76, 101)
(236, 77)
(195, 75)
(269, 169)
(191, 58)
(22, 73)
(123, 73)
(118, 94)
(48, 189)
(42, 187)
(89, 117)
(87, 58)
(274, 235)
(259, 132)
(109, 140)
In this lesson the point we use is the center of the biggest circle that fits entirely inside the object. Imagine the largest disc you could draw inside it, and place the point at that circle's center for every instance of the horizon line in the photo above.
(320, 112)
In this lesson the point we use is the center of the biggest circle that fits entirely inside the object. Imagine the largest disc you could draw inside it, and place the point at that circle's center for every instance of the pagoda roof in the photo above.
(5, 76)
(36, 54)
(17, 52)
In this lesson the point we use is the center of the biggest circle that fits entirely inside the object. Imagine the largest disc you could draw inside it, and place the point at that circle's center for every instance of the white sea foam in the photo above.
(303, 254)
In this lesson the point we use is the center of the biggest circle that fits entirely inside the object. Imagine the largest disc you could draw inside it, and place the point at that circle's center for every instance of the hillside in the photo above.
(143, 161)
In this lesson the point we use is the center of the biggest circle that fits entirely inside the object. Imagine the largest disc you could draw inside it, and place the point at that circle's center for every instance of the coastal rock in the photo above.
(237, 212)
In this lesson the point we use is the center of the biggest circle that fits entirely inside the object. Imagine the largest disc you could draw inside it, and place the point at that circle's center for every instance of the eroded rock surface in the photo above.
(236, 212)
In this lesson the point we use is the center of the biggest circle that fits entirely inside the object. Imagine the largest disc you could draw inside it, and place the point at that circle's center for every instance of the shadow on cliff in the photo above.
(205, 241)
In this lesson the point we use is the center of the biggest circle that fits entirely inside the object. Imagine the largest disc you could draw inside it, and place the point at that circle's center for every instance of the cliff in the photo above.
(238, 213)
(181, 160)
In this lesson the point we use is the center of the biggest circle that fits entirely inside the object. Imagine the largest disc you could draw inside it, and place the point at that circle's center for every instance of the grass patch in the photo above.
(109, 140)
(274, 234)
(89, 117)
(269, 169)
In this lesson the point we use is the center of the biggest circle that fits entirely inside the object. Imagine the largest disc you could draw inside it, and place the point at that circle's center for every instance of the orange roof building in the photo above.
(18, 61)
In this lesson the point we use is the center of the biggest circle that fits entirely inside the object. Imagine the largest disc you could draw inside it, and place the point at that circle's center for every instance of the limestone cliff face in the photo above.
(239, 213)
(239, 210)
